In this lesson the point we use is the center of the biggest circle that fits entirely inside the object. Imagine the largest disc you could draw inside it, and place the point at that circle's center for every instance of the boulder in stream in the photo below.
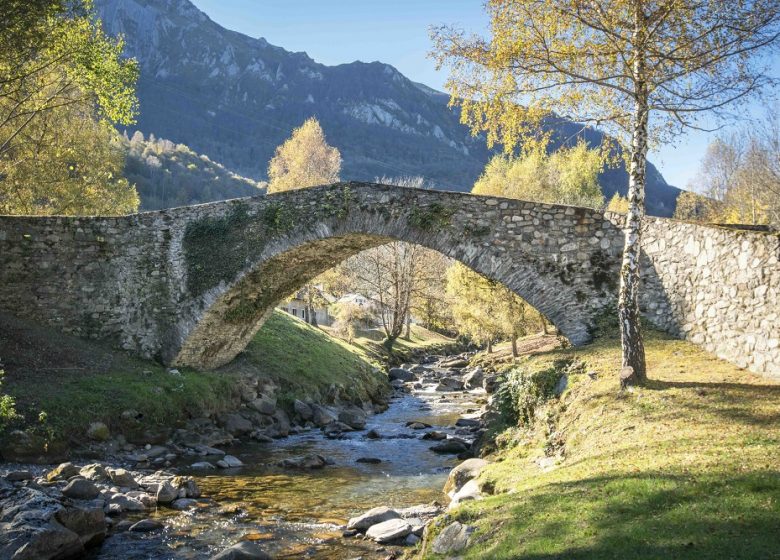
(401, 374)
(372, 517)
(81, 489)
(452, 445)
(244, 550)
(389, 531)
(312, 461)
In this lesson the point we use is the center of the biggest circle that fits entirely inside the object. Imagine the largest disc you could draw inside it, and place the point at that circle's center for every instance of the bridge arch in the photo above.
(239, 259)
(190, 285)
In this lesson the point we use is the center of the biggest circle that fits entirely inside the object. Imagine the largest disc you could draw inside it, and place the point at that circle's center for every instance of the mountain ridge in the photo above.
(236, 98)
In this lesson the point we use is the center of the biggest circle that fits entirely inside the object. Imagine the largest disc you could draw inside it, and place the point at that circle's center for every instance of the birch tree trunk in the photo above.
(633, 349)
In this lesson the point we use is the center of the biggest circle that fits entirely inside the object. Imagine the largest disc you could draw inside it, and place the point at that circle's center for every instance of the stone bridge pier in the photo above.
(191, 286)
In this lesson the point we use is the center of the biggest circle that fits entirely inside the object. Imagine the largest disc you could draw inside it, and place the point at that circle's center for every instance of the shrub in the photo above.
(523, 391)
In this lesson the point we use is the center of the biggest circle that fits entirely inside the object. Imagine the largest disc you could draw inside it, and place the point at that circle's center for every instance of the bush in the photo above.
(523, 391)
(7, 407)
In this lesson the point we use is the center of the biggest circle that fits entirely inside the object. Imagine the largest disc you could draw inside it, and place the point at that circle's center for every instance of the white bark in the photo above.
(628, 302)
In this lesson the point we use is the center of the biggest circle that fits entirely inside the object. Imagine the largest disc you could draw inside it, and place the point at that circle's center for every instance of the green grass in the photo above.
(686, 467)
(76, 382)
(72, 402)
(305, 361)
(420, 342)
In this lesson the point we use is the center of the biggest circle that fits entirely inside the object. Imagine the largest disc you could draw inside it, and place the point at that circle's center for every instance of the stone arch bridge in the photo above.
(192, 285)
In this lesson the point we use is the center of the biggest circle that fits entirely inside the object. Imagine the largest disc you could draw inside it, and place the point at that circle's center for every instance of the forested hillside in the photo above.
(168, 175)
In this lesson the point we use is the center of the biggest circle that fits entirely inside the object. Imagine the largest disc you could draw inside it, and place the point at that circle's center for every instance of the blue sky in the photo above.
(395, 32)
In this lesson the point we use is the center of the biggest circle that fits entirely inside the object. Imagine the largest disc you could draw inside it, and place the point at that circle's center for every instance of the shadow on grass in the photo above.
(642, 516)
(740, 402)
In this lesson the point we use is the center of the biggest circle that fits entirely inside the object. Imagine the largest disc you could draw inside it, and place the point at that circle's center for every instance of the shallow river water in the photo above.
(299, 513)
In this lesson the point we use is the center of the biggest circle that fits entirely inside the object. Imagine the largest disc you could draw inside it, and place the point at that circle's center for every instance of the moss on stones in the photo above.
(433, 217)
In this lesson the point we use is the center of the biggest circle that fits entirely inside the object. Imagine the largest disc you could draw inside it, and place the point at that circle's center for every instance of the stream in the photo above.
(296, 513)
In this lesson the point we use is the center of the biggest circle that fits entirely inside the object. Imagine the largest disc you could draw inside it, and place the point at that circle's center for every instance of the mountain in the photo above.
(236, 98)
(167, 174)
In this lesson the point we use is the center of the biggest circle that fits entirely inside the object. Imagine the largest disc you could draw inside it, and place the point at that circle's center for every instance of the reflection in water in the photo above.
(295, 513)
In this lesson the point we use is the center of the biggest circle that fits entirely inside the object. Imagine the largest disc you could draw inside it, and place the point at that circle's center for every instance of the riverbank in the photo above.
(76, 394)
(292, 497)
(685, 467)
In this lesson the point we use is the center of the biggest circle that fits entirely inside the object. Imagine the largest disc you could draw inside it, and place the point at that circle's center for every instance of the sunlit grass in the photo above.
(688, 467)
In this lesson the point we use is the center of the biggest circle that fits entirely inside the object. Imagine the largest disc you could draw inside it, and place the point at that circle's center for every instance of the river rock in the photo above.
(166, 493)
(202, 465)
(89, 523)
(264, 405)
(183, 503)
(474, 379)
(303, 410)
(417, 525)
(401, 374)
(453, 538)
(122, 478)
(456, 362)
(372, 517)
(388, 531)
(420, 511)
(244, 550)
(336, 428)
(417, 425)
(121, 503)
(207, 451)
(18, 476)
(322, 416)
(460, 475)
(63, 471)
(435, 435)
(353, 417)
(470, 491)
(261, 437)
(81, 489)
(411, 539)
(155, 451)
(368, 460)
(449, 384)
(452, 445)
(229, 462)
(145, 526)
(94, 472)
(235, 424)
(468, 423)
(30, 530)
(186, 485)
(373, 434)
(306, 462)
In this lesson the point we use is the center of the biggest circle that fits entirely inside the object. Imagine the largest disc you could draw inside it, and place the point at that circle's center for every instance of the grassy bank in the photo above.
(684, 468)
(61, 384)
(308, 363)
(420, 342)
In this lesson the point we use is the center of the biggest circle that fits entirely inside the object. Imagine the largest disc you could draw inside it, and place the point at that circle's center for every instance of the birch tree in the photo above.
(642, 69)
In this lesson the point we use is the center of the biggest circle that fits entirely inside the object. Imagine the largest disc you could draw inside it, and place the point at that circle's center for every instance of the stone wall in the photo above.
(192, 285)
(718, 288)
